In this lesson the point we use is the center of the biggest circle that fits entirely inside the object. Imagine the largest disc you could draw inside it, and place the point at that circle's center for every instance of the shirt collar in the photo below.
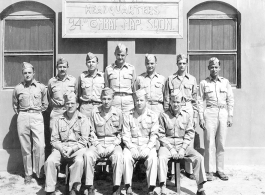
(58, 79)
(154, 75)
(218, 78)
(96, 73)
(185, 75)
(34, 82)
(124, 65)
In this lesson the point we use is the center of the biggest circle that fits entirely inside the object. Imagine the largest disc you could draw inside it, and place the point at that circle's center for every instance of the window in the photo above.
(214, 34)
(28, 38)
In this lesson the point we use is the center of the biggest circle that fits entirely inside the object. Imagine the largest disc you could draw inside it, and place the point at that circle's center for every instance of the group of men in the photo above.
(152, 116)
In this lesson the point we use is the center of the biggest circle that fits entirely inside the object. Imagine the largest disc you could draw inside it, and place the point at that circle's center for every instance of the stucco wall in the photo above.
(245, 143)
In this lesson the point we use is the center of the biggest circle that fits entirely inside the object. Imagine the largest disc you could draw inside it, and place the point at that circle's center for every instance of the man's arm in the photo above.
(126, 131)
(55, 137)
(44, 98)
(15, 101)
(162, 132)
(189, 133)
(166, 95)
(154, 133)
(106, 78)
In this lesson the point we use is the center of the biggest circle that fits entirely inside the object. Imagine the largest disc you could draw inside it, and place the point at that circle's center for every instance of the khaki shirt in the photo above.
(154, 86)
(215, 93)
(175, 130)
(106, 127)
(187, 85)
(139, 130)
(90, 86)
(33, 97)
(120, 79)
(72, 133)
(57, 88)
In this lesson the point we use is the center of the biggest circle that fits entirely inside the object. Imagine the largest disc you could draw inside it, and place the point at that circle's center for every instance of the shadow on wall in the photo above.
(11, 144)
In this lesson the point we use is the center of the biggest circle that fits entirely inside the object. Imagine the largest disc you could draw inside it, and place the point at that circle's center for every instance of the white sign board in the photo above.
(122, 19)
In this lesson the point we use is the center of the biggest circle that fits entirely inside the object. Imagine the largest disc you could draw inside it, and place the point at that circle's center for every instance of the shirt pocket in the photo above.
(100, 129)
(223, 92)
(23, 100)
(98, 88)
(127, 79)
(77, 132)
(146, 127)
(159, 89)
(64, 133)
(180, 129)
(37, 99)
(188, 89)
(209, 92)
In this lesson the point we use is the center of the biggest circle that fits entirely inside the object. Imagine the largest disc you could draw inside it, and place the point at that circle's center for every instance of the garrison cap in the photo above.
(177, 94)
(107, 91)
(121, 48)
(213, 61)
(90, 56)
(70, 96)
(139, 93)
(26, 65)
(150, 57)
(182, 57)
(62, 60)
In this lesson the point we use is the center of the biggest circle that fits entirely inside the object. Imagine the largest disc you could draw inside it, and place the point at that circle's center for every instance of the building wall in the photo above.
(244, 140)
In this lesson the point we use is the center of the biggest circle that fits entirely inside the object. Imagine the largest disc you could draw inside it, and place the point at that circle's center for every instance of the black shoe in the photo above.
(116, 190)
(90, 191)
(28, 180)
(200, 193)
(222, 176)
(190, 176)
(209, 176)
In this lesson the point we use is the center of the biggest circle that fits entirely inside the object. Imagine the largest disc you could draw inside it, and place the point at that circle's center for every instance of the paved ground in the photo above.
(244, 180)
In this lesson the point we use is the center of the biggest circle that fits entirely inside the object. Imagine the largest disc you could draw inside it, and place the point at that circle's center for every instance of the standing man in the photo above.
(176, 134)
(120, 76)
(90, 85)
(57, 87)
(29, 100)
(69, 140)
(153, 83)
(140, 131)
(106, 121)
(187, 84)
(214, 120)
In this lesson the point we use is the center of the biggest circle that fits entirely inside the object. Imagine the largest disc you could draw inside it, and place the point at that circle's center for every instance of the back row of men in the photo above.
(161, 109)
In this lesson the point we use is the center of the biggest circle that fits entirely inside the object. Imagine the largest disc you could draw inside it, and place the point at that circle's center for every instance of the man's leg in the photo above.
(50, 168)
(151, 168)
(128, 170)
(211, 120)
(76, 169)
(117, 164)
(23, 128)
(37, 128)
(90, 159)
(127, 104)
(220, 143)
(163, 158)
(86, 109)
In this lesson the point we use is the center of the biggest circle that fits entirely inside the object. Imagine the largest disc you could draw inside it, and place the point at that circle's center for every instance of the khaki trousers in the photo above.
(30, 128)
(157, 108)
(55, 114)
(214, 138)
(76, 167)
(197, 163)
(125, 103)
(150, 164)
(86, 109)
(116, 158)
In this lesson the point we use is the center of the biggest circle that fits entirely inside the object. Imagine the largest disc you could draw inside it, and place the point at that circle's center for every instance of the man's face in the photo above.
(120, 57)
(28, 74)
(150, 65)
(176, 104)
(107, 101)
(62, 69)
(71, 106)
(140, 102)
(92, 64)
(182, 65)
(214, 69)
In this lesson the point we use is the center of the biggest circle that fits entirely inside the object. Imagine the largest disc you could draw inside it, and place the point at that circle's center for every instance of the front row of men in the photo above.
(82, 141)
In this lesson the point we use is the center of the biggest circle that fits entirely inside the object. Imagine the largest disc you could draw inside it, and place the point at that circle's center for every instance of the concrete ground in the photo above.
(243, 180)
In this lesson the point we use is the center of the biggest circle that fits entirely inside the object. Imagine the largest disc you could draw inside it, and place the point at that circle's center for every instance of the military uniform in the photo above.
(89, 91)
(177, 132)
(218, 95)
(28, 103)
(140, 131)
(72, 133)
(121, 80)
(56, 90)
(154, 88)
(106, 131)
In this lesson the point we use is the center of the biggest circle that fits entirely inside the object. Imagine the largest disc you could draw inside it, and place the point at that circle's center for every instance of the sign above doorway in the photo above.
(122, 19)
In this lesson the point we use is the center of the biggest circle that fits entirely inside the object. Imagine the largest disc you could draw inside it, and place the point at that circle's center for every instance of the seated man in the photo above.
(69, 140)
(139, 135)
(106, 121)
(176, 133)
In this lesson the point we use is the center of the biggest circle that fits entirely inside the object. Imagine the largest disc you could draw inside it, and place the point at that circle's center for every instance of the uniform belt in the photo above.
(107, 140)
(122, 94)
(140, 140)
(154, 102)
(91, 102)
(31, 111)
(216, 106)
